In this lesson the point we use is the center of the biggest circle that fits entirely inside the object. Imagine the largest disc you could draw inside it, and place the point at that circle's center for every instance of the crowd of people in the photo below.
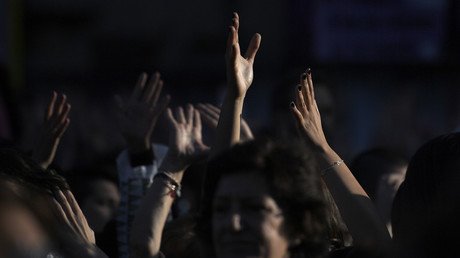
(240, 195)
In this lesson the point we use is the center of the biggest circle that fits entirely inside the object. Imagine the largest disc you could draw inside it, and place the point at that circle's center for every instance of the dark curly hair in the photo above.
(17, 167)
(294, 182)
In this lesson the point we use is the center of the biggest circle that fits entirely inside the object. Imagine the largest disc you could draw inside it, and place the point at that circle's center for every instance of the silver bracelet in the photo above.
(335, 164)
(170, 182)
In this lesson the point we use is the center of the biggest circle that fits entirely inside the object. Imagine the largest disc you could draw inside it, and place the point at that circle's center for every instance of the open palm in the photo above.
(240, 68)
(186, 142)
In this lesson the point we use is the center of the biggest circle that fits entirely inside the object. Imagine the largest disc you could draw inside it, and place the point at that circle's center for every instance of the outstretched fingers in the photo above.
(190, 115)
(180, 115)
(151, 88)
(297, 114)
(301, 105)
(50, 108)
(253, 47)
(139, 88)
(197, 120)
(233, 47)
(170, 117)
(310, 84)
(209, 117)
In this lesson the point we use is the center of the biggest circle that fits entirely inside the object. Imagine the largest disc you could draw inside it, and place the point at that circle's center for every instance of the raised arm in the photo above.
(55, 124)
(185, 146)
(239, 79)
(138, 116)
(356, 208)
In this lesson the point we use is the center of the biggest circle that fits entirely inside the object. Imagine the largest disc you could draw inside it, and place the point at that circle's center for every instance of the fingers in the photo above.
(300, 101)
(310, 84)
(254, 45)
(156, 94)
(210, 114)
(151, 88)
(210, 110)
(59, 211)
(164, 102)
(169, 115)
(297, 115)
(50, 109)
(76, 208)
(190, 115)
(65, 205)
(61, 104)
(233, 48)
(180, 115)
(213, 108)
(307, 89)
(236, 25)
(63, 115)
(138, 89)
(62, 128)
(57, 115)
(197, 120)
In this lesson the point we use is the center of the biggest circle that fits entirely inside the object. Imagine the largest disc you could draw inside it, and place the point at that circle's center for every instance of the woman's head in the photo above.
(25, 172)
(430, 191)
(264, 199)
(25, 199)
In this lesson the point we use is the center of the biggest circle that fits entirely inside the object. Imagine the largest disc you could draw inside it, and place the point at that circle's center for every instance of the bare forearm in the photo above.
(356, 208)
(228, 128)
(151, 217)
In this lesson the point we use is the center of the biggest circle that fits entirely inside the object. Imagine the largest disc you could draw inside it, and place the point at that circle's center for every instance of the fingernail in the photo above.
(309, 71)
(304, 76)
(292, 104)
(299, 88)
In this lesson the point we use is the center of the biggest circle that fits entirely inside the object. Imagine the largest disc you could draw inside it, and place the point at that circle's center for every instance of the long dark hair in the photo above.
(428, 195)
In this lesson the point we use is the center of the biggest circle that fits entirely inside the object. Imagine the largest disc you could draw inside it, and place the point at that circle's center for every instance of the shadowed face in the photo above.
(247, 221)
(100, 206)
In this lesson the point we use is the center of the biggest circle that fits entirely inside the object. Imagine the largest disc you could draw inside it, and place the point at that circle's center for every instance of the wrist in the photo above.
(173, 165)
(327, 156)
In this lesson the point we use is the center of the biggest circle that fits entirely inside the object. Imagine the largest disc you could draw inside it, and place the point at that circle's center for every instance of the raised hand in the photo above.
(138, 116)
(210, 115)
(55, 124)
(307, 115)
(355, 207)
(185, 141)
(77, 238)
(239, 68)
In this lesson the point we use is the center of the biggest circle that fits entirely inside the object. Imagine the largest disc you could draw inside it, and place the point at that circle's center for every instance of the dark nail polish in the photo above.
(304, 76)
(292, 104)
(299, 88)
(309, 71)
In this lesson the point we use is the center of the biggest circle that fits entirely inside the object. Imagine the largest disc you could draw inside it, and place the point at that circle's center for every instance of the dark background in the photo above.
(387, 71)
